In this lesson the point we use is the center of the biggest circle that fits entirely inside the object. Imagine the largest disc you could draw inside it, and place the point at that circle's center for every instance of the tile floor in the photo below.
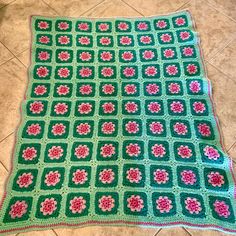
(216, 23)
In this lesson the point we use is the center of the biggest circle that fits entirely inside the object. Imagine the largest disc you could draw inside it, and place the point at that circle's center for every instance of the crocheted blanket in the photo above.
(118, 128)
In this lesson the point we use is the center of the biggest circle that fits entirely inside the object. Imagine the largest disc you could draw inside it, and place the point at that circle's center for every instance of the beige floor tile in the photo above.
(72, 7)
(13, 75)
(6, 147)
(232, 152)
(3, 178)
(155, 7)
(107, 231)
(14, 28)
(5, 54)
(24, 57)
(38, 233)
(225, 103)
(226, 6)
(5, 2)
(111, 8)
(195, 232)
(172, 232)
(225, 60)
(215, 29)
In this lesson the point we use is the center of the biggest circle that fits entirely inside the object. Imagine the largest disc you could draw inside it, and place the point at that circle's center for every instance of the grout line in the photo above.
(186, 231)
(220, 71)
(4, 166)
(158, 231)
(93, 7)
(51, 7)
(231, 146)
(132, 7)
(182, 6)
(222, 12)
(53, 230)
(7, 136)
(7, 4)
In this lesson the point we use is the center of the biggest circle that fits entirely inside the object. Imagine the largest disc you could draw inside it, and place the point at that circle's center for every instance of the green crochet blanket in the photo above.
(118, 128)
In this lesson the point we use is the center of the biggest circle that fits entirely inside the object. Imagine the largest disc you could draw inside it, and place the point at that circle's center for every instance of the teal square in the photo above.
(40, 90)
(55, 152)
(36, 108)
(83, 26)
(85, 56)
(42, 72)
(188, 51)
(79, 177)
(156, 127)
(125, 40)
(140, 209)
(107, 128)
(188, 198)
(85, 90)
(108, 108)
(168, 53)
(83, 128)
(44, 39)
(62, 90)
(148, 54)
(55, 200)
(63, 72)
(82, 151)
(161, 24)
(145, 39)
(204, 129)
(106, 56)
(152, 88)
(77, 204)
(106, 203)
(134, 175)
(108, 89)
(129, 72)
(161, 176)
(184, 36)
(52, 178)
(43, 25)
(174, 88)
(105, 41)
(64, 40)
(177, 107)
(83, 40)
(133, 149)
(63, 25)
(107, 72)
(43, 55)
(132, 127)
(168, 206)
(33, 129)
(192, 68)
(58, 129)
(107, 150)
(106, 176)
(85, 72)
(130, 89)
(127, 56)
(188, 177)
(131, 107)
(60, 108)
(123, 26)
(180, 21)
(194, 87)
(151, 71)
(180, 128)
(142, 26)
(154, 107)
(171, 70)
(165, 38)
(25, 180)
(29, 153)
(103, 27)
(64, 56)
(199, 107)
(158, 150)
(184, 152)
(84, 108)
